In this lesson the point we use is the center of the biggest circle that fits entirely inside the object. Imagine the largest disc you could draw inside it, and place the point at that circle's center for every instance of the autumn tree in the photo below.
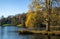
(55, 16)
(34, 20)
(35, 16)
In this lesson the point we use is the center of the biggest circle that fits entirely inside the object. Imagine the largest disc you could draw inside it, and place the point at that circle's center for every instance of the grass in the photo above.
(19, 25)
(6, 25)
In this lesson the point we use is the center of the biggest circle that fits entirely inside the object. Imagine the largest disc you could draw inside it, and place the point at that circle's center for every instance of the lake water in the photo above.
(8, 33)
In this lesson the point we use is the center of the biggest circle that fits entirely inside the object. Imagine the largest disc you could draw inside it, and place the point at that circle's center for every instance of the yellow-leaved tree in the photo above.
(34, 16)
(34, 19)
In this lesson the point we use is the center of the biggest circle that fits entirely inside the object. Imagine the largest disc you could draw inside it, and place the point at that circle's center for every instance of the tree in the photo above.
(34, 20)
(14, 21)
(35, 16)
(2, 20)
(36, 5)
(57, 14)
(21, 19)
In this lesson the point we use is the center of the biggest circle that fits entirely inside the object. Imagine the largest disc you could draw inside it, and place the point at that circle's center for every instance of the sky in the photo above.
(13, 7)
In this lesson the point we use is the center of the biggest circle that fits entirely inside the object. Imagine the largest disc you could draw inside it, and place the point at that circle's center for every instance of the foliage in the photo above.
(35, 16)
(35, 5)
(38, 14)
(54, 17)
(13, 20)
(34, 20)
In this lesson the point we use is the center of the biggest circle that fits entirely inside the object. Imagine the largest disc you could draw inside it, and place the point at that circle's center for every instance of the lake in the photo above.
(7, 32)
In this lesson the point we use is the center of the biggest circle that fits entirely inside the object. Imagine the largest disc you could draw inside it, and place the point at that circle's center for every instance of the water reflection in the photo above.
(7, 33)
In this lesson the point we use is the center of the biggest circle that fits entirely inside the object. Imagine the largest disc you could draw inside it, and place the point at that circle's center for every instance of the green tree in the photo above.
(2, 20)
(13, 21)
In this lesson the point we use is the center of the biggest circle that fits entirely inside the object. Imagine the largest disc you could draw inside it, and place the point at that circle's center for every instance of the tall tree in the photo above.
(34, 20)
(35, 16)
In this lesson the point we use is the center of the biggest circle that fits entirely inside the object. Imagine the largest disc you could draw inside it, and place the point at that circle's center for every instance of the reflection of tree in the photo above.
(38, 36)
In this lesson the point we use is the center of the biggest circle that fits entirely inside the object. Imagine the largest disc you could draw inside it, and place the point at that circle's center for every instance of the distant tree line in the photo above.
(13, 20)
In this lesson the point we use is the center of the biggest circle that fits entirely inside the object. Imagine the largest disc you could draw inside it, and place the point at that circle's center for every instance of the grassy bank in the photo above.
(6, 25)
(19, 25)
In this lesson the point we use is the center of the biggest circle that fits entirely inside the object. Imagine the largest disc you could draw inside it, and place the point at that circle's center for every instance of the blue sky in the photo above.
(13, 7)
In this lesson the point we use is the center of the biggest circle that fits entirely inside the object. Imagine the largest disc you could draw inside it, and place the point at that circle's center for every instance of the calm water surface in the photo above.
(8, 33)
